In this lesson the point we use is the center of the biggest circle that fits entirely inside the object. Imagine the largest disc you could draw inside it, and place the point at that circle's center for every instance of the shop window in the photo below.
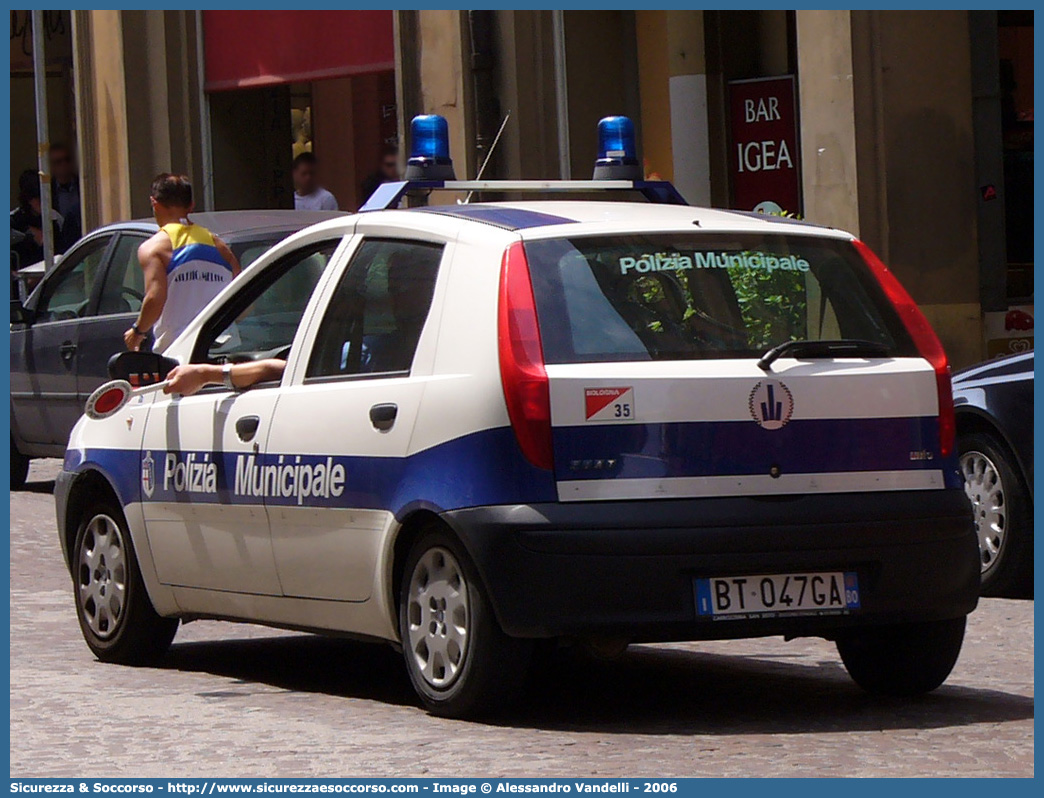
(301, 117)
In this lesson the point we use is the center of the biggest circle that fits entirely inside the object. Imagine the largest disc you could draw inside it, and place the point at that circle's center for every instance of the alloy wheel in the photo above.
(982, 483)
(438, 617)
(101, 579)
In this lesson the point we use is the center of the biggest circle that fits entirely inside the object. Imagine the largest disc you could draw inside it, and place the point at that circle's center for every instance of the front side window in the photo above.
(262, 319)
(378, 310)
(67, 294)
(686, 296)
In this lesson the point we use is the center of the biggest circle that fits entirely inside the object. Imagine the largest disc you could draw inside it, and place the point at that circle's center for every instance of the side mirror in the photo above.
(20, 314)
(140, 368)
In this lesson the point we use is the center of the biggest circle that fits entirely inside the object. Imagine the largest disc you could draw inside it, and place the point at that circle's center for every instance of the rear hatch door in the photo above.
(652, 345)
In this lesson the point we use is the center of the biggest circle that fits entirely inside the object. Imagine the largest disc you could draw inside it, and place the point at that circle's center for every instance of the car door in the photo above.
(119, 300)
(342, 429)
(44, 352)
(203, 506)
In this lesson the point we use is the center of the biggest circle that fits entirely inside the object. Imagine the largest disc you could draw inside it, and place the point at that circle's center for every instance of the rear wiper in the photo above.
(846, 347)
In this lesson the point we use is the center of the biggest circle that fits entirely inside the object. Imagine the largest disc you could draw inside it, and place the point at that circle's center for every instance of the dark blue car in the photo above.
(994, 404)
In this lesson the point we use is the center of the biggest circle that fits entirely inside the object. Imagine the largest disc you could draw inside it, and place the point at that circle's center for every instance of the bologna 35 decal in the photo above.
(771, 404)
(609, 404)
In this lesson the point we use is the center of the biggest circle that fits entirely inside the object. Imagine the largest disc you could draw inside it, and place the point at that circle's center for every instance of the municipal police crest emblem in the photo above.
(148, 474)
(771, 404)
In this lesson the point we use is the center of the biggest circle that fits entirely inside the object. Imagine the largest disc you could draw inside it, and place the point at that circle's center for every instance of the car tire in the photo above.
(19, 467)
(116, 616)
(459, 660)
(902, 660)
(1003, 515)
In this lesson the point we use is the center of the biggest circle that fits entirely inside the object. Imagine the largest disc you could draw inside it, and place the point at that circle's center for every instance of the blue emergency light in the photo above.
(617, 150)
(429, 153)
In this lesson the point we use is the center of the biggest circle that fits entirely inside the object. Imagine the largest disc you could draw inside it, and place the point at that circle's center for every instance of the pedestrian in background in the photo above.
(387, 172)
(65, 195)
(185, 266)
(308, 194)
(27, 218)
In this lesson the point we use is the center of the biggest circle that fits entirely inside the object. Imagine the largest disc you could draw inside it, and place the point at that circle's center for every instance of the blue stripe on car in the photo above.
(482, 468)
(487, 468)
(735, 448)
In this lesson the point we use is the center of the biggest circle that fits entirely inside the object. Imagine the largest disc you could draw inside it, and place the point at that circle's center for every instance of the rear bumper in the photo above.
(62, 487)
(627, 568)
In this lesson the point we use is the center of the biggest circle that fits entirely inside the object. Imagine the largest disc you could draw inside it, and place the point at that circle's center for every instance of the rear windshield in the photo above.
(691, 296)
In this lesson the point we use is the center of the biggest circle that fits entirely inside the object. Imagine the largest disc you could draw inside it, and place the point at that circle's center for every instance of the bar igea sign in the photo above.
(764, 152)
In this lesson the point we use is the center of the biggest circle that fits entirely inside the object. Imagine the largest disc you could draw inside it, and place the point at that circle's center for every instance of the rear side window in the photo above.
(377, 312)
(124, 288)
(681, 297)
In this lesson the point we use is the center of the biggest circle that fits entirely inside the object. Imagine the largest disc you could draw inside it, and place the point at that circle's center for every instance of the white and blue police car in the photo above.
(501, 423)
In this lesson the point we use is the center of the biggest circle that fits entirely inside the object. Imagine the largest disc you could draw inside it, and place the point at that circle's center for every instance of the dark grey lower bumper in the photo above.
(627, 568)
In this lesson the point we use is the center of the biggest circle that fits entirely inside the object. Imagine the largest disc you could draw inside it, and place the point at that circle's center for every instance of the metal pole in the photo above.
(206, 143)
(561, 94)
(42, 138)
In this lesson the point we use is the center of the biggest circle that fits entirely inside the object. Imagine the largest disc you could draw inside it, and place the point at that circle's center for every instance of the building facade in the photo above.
(228, 98)
(912, 129)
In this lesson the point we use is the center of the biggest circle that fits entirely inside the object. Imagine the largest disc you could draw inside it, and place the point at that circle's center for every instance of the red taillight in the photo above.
(924, 338)
(522, 360)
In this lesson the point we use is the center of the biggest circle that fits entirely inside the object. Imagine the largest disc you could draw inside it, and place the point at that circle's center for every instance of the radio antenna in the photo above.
(489, 155)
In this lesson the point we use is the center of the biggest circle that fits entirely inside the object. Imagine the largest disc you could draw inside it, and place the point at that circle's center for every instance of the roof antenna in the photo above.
(489, 154)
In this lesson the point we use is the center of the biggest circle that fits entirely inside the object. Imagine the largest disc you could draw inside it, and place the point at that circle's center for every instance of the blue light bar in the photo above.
(389, 195)
(617, 150)
(429, 149)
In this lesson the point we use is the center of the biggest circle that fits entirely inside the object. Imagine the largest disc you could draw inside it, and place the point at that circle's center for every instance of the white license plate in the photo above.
(764, 595)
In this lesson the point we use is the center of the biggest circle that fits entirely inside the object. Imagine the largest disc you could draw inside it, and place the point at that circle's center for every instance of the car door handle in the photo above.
(382, 416)
(67, 350)
(246, 427)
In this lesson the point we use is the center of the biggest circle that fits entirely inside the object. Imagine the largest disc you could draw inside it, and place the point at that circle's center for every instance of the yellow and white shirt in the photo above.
(195, 275)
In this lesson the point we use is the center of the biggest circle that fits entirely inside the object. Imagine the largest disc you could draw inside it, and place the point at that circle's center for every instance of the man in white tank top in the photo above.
(185, 266)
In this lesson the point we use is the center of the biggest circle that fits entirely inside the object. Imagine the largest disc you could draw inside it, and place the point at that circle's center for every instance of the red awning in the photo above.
(244, 49)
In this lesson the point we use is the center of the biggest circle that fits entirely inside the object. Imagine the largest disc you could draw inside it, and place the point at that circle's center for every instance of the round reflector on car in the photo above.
(107, 399)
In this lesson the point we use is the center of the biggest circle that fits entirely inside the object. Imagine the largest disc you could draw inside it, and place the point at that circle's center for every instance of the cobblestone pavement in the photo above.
(236, 700)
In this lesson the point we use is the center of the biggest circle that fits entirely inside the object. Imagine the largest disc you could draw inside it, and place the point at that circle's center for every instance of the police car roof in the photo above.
(556, 218)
